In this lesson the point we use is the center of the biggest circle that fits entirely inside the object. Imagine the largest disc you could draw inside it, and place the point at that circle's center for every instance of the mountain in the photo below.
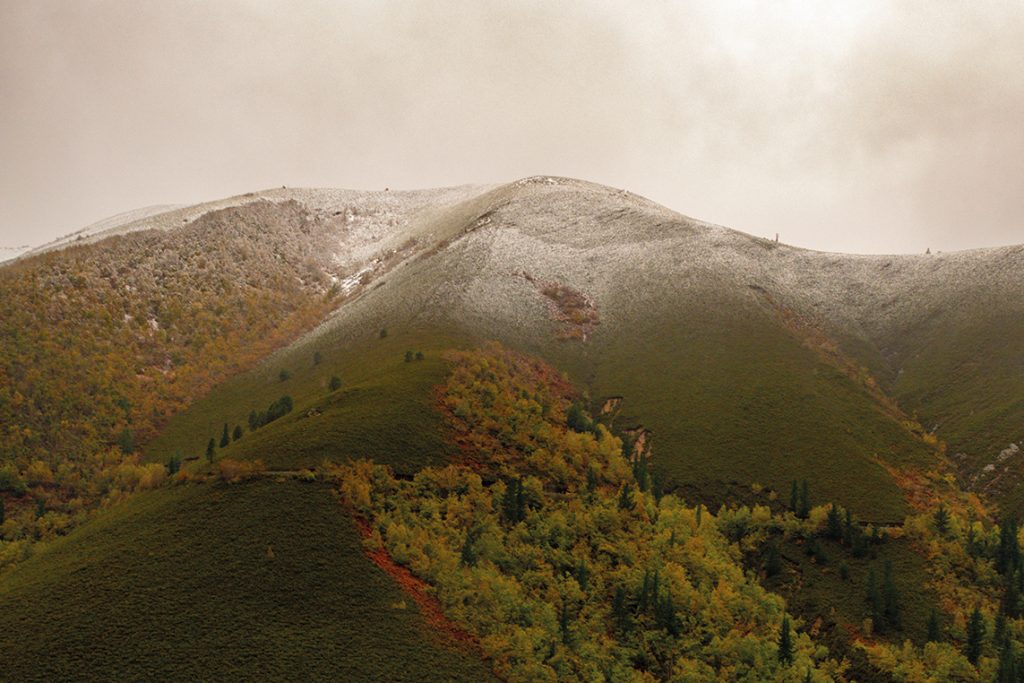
(739, 366)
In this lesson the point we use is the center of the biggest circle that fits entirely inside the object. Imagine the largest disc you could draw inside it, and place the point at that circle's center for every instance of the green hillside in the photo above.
(261, 580)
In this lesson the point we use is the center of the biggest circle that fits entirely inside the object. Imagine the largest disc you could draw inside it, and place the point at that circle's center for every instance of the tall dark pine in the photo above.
(975, 636)
(785, 642)
(225, 437)
(890, 598)
(210, 447)
(934, 628)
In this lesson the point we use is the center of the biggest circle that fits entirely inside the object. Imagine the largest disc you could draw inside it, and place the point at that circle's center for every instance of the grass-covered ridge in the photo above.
(260, 580)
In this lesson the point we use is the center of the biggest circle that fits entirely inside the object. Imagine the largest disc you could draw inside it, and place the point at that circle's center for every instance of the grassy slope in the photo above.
(731, 397)
(383, 411)
(178, 584)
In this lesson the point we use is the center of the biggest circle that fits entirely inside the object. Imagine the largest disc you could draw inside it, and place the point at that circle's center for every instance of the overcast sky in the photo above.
(849, 126)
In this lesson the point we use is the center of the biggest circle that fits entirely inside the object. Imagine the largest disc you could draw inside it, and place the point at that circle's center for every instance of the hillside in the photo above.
(735, 366)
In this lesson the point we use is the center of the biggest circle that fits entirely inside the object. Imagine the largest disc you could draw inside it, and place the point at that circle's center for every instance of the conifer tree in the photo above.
(834, 524)
(225, 438)
(3, 510)
(874, 598)
(890, 598)
(785, 642)
(620, 612)
(975, 636)
(1008, 556)
(1009, 669)
(210, 449)
(335, 383)
(626, 498)
(794, 498)
(237, 434)
(934, 628)
(773, 563)
(941, 519)
(642, 600)
(805, 501)
(408, 356)
(254, 421)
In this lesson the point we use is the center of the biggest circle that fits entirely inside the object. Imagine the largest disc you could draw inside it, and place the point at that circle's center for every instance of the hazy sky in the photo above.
(853, 126)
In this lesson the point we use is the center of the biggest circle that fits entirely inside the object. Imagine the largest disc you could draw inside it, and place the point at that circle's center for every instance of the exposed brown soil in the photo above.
(446, 630)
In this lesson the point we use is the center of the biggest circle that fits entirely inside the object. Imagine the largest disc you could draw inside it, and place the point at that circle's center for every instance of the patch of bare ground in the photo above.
(441, 626)
(576, 310)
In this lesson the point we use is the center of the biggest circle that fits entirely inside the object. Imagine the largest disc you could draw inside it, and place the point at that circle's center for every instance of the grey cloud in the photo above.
(869, 126)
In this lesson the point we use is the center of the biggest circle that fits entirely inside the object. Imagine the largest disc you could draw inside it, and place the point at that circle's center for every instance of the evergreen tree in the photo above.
(834, 524)
(40, 507)
(620, 611)
(591, 481)
(941, 519)
(317, 358)
(626, 501)
(794, 498)
(335, 383)
(225, 437)
(577, 418)
(934, 628)
(469, 556)
(1008, 556)
(383, 332)
(849, 533)
(785, 641)
(174, 464)
(210, 447)
(1009, 669)
(805, 501)
(513, 505)
(583, 575)
(641, 603)
(254, 421)
(284, 375)
(1011, 597)
(563, 622)
(874, 598)
(408, 356)
(126, 441)
(890, 597)
(999, 636)
(3, 509)
(975, 636)
(419, 355)
(773, 563)
(700, 507)
(237, 434)
(665, 616)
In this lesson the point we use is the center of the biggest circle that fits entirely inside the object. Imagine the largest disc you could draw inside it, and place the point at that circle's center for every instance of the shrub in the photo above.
(233, 471)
